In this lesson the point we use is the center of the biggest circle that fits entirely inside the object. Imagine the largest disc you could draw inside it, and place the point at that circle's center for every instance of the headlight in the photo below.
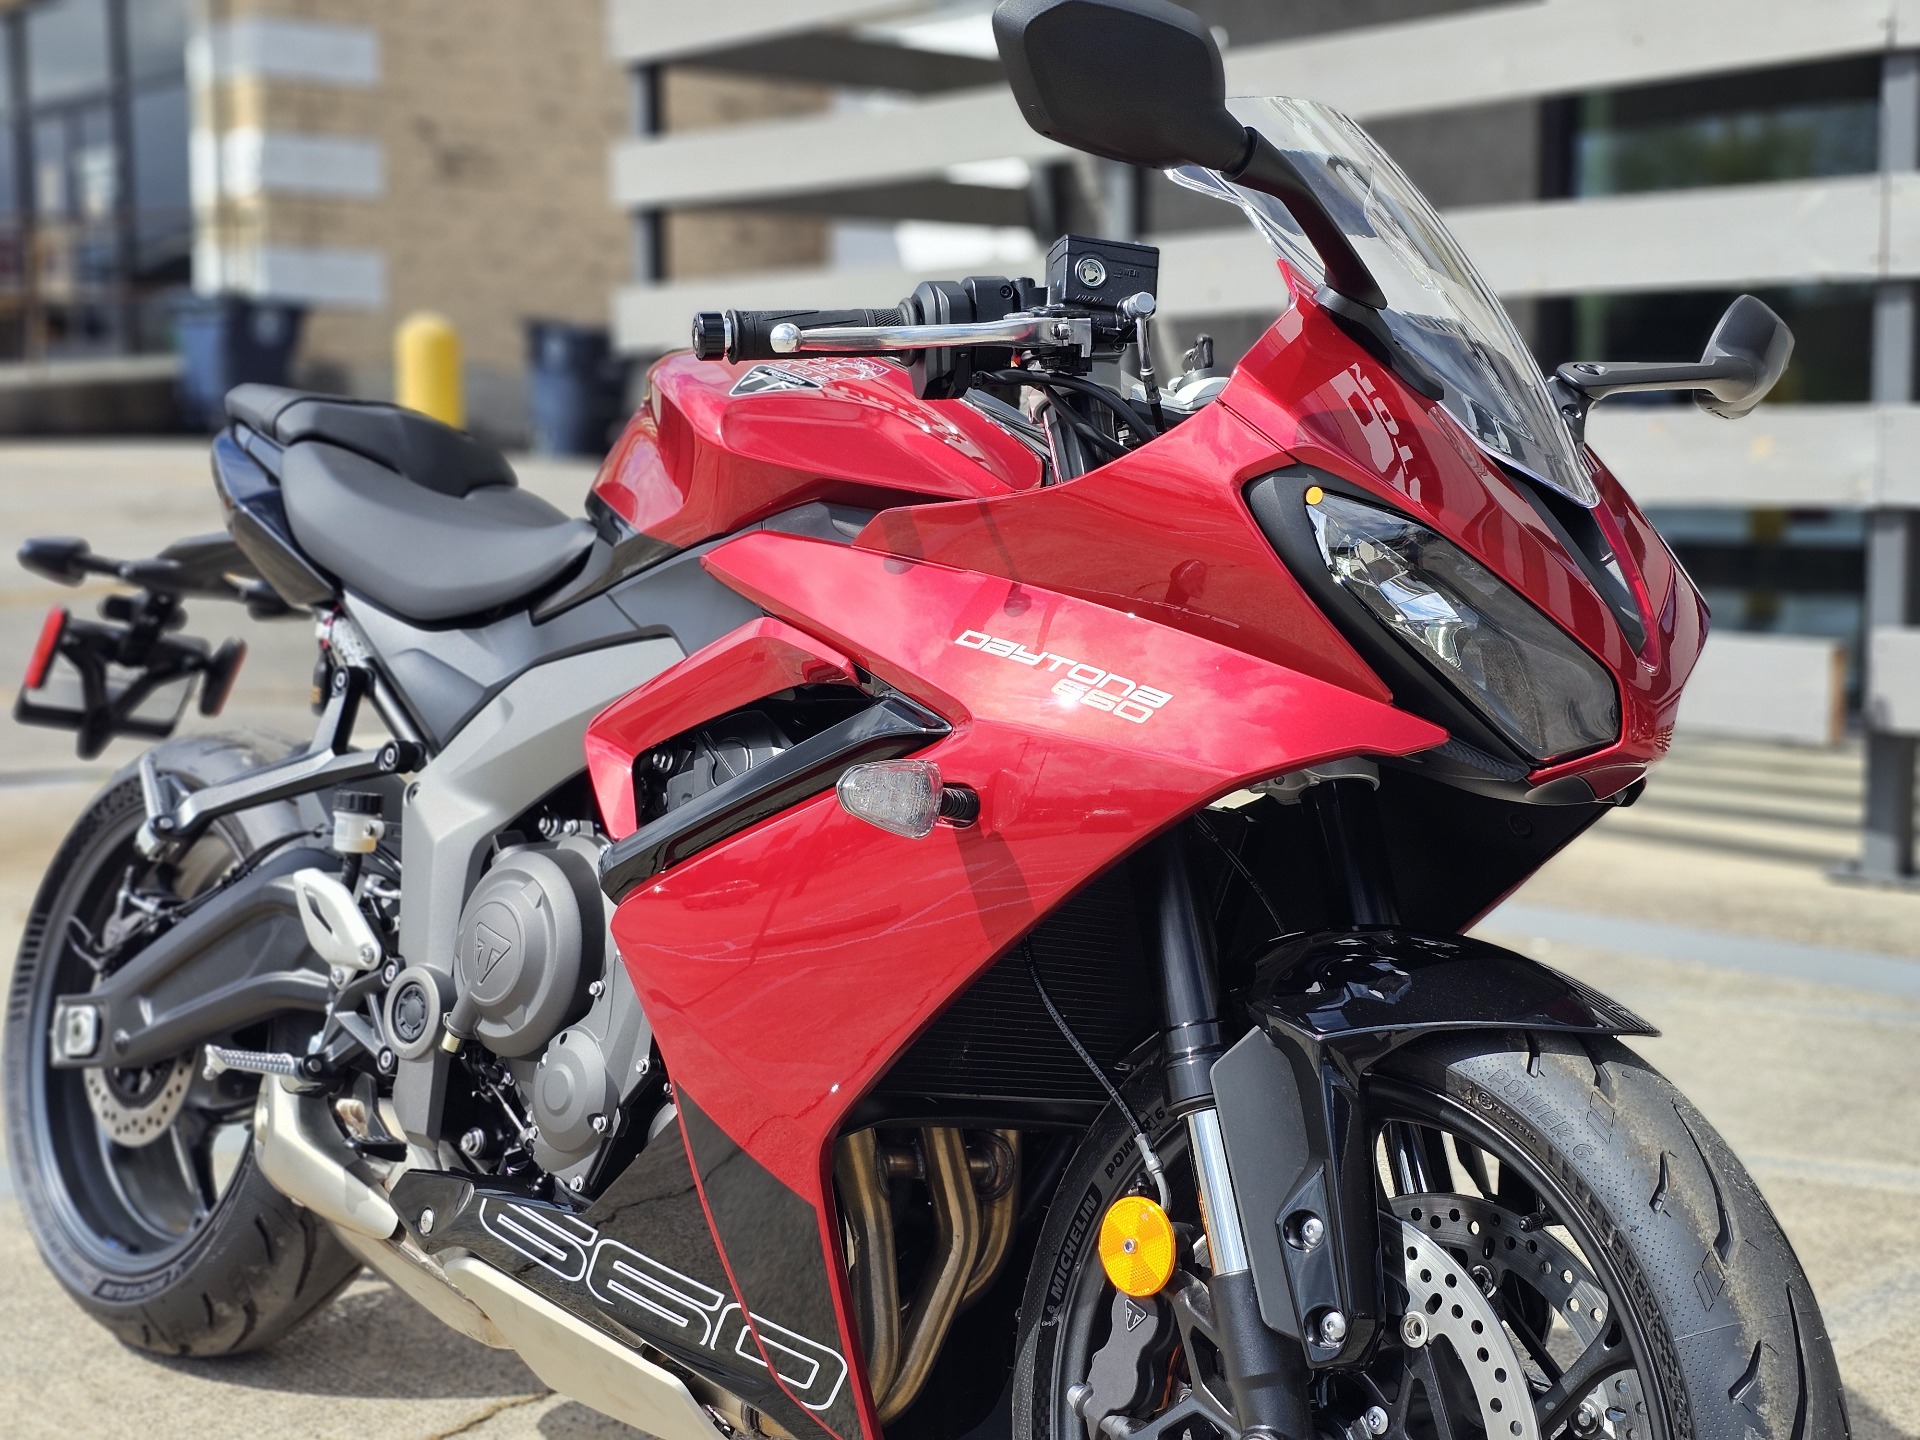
(1538, 688)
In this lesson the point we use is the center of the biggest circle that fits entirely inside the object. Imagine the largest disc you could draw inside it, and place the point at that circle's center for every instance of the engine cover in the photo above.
(525, 957)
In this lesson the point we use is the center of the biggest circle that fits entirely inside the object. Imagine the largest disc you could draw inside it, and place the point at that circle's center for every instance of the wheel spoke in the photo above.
(1605, 1357)
(1409, 1162)
(1439, 1403)
(199, 1184)
(1535, 1347)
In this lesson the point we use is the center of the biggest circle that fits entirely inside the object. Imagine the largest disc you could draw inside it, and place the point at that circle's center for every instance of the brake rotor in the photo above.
(1495, 1246)
(135, 1107)
(1445, 1302)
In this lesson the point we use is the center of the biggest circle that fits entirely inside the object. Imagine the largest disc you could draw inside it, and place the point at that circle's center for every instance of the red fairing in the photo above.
(1161, 532)
(757, 660)
(749, 954)
(1329, 404)
(699, 461)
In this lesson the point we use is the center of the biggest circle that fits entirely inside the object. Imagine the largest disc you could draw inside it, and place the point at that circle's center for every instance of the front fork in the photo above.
(1266, 1373)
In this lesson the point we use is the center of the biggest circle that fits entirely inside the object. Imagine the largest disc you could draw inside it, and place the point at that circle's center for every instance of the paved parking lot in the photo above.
(1790, 1006)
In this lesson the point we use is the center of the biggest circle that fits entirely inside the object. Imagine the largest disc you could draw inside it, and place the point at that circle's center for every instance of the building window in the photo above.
(1795, 123)
(96, 224)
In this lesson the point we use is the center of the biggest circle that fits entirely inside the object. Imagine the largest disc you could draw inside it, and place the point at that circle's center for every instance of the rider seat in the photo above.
(420, 518)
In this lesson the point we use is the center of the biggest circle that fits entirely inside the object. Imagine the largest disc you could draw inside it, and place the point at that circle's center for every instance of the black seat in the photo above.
(418, 446)
(420, 518)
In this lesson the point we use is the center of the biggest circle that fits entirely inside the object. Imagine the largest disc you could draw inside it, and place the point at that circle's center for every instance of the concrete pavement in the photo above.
(1788, 1003)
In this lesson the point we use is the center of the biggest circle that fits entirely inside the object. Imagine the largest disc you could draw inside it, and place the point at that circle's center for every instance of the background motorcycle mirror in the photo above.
(1142, 82)
(1744, 359)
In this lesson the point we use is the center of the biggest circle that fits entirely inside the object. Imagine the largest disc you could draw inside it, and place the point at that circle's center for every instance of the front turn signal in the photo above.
(1137, 1246)
(905, 797)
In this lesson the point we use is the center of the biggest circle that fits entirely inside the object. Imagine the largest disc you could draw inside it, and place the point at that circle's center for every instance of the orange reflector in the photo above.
(1137, 1246)
(1315, 494)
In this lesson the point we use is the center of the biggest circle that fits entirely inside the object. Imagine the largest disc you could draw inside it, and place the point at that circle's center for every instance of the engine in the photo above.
(551, 1034)
(527, 1047)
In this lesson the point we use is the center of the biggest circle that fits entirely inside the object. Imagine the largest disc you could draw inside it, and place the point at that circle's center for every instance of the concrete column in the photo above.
(1893, 536)
(649, 226)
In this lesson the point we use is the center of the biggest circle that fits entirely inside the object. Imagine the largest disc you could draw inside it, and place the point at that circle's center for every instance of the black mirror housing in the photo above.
(1752, 339)
(1139, 81)
(1744, 359)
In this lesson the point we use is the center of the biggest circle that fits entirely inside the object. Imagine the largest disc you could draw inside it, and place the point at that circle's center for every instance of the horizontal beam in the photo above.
(1788, 456)
(643, 32)
(1498, 53)
(1558, 47)
(1729, 237)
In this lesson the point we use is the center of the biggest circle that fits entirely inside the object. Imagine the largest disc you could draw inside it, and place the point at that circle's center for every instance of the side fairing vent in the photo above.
(995, 1056)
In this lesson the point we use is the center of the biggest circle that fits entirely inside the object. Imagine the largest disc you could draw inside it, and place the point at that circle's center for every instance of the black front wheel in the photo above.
(1577, 1254)
(139, 1184)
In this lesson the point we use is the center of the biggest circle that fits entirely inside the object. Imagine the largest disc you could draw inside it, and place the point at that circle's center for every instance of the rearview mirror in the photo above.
(1142, 82)
(1744, 359)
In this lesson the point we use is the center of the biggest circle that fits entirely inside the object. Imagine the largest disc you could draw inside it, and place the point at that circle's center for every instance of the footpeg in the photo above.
(219, 1060)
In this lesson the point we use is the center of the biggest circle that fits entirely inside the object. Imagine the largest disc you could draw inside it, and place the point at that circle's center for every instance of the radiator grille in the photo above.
(997, 1042)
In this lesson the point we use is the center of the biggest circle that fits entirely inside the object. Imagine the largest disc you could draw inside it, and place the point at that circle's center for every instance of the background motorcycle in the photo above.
(1041, 809)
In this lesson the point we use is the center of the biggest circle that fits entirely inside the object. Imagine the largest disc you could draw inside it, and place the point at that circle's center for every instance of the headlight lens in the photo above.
(1541, 690)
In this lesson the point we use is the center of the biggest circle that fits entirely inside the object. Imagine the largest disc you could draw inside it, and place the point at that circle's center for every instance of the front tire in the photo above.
(140, 1190)
(1495, 1146)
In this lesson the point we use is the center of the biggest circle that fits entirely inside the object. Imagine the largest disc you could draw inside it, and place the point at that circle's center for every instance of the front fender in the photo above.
(1326, 1009)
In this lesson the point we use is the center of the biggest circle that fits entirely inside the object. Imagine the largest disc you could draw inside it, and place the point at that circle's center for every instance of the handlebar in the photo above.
(747, 334)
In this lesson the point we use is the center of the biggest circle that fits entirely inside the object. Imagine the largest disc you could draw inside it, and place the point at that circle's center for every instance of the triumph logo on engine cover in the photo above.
(654, 1299)
(490, 948)
(1081, 684)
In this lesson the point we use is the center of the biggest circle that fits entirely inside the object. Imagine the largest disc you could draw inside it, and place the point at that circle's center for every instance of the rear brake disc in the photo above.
(137, 1107)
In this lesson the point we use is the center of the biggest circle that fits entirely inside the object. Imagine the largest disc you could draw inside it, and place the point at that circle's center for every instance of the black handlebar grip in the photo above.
(747, 334)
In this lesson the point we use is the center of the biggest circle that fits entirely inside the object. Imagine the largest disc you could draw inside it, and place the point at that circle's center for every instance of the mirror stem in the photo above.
(1272, 172)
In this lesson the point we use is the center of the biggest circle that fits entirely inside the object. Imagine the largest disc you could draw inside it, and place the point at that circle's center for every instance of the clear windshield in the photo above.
(1438, 307)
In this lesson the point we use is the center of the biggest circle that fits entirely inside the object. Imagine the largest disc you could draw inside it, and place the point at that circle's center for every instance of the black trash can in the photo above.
(229, 340)
(576, 387)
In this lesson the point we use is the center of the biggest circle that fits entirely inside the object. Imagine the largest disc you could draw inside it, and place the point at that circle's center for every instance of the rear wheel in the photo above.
(139, 1185)
(1576, 1253)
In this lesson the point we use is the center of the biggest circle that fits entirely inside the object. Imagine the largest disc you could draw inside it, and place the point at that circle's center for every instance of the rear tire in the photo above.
(253, 1264)
(1725, 1334)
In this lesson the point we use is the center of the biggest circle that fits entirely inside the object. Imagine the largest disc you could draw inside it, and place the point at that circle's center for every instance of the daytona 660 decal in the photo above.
(1082, 684)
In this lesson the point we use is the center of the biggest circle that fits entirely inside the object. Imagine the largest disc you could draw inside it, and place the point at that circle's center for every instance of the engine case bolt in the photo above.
(1333, 1328)
(473, 1144)
(388, 1061)
(599, 1123)
(578, 1182)
(1312, 1231)
(426, 1222)
(597, 988)
(1375, 1420)
(1413, 1329)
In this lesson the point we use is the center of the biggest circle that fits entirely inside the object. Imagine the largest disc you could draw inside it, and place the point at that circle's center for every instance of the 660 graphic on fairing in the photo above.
(939, 907)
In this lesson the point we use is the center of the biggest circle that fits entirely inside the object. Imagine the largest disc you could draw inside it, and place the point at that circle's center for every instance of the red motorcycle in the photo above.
(1040, 850)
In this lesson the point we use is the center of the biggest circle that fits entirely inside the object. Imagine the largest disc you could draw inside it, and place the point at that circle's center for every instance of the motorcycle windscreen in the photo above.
(1439, 308)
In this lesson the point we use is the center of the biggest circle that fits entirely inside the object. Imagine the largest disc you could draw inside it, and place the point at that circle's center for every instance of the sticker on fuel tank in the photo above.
(1082, 684)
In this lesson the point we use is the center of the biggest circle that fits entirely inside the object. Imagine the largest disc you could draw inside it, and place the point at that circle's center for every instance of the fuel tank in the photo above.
(716, 447)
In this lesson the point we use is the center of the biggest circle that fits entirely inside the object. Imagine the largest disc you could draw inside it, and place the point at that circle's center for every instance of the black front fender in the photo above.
(1326, 1008)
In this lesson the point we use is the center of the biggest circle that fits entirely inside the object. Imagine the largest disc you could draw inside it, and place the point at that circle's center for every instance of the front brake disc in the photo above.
(1445, 1304)
(1495, 1247)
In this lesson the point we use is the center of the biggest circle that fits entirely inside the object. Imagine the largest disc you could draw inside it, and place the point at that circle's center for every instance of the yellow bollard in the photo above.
(426, 367)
